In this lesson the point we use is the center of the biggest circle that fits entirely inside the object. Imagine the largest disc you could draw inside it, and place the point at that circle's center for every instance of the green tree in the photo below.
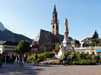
(96, 58)
(95, 35)
(81, 55)
(86, 44)
(73, 56)
(66, 54)
(23, 46)
(57, 48)
(96, 42)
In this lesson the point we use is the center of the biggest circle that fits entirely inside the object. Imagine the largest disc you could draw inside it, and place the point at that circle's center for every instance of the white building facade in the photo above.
(8, 47)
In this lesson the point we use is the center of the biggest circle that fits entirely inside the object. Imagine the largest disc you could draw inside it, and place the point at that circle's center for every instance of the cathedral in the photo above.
(45, 41)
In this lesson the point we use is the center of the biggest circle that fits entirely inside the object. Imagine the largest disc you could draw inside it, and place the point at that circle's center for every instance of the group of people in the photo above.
(10, 58)
(66, 60)
(23, 58)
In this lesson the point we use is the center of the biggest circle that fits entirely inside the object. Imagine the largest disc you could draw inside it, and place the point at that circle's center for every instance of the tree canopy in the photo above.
(94, 42)
(95, 35)
(23, 46)
(86, 44)
(57, 48)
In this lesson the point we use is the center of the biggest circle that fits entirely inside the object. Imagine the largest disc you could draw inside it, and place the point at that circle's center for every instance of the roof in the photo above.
(87, 39)
(1, 42)
(75, 42)
(46, 36)
(98, 50)
(9, 43)
(35, 45)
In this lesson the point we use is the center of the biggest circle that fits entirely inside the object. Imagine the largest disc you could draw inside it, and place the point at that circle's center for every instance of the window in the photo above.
(10, 47)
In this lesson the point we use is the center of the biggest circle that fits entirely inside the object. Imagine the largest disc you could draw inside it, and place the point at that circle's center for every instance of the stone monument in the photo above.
(65, 45)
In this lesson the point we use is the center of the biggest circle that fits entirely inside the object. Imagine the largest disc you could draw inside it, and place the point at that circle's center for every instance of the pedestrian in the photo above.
(1, 59)
(25, 58)
(36, 62)
(7, 59)
(21, 59)
(17, 58)
(12, 58)
(68, 60)
(64, 60)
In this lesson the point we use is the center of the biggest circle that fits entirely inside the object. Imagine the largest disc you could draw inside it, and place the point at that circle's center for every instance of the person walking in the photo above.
(1, 59)
(7, 59)
(17, 58)
(21, 59)
(36, 62)
(68, 60)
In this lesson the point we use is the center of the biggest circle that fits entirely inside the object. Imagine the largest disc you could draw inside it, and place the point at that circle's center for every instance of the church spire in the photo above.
(54, 9)
(55, 27)
(55, 20)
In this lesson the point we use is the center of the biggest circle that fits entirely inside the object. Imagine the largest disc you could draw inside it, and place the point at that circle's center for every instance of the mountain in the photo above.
(2, 27)
(7, 35)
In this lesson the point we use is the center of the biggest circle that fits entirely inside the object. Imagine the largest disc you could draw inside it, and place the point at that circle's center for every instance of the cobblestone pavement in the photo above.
(29, 69)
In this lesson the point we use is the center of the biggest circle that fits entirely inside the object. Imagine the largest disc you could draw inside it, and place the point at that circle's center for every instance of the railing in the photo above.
(96, 47)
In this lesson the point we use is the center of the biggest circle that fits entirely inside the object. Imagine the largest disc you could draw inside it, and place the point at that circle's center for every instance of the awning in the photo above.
(98, 50)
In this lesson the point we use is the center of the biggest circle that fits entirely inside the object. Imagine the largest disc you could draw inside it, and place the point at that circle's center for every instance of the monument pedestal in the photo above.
(65, 45)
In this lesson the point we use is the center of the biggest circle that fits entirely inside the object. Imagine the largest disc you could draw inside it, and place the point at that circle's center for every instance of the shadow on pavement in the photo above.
(16, 69)
(49, 65)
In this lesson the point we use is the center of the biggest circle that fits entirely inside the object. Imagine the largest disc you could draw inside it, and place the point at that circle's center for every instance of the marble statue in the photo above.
(65, 45)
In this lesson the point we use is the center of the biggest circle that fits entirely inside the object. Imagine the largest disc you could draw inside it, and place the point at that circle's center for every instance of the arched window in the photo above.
(53, 26)
(56, 27)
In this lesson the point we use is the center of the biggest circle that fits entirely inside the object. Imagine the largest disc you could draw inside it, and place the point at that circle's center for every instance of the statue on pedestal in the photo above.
(65, 45)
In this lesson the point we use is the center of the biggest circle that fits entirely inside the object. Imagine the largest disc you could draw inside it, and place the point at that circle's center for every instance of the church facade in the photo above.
(45, 41)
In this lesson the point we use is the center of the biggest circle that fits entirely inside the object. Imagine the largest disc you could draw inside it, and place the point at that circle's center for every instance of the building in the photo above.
(89, 50)
(8, 47)
(45, 41)
(75, 43)
(87, 40)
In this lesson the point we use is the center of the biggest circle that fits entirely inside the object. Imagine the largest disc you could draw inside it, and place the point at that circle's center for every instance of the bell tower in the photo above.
(55, 24)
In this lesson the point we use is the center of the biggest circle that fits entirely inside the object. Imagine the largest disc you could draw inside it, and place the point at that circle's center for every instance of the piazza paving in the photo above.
(30, 69)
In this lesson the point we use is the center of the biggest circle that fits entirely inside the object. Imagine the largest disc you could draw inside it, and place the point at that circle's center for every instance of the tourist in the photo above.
(1, 59)
(36, 62)
(21, 59)
(68, 60)
(64, 60)
(4, 58)
(25, 58)
(13, 59)
(17, 58)
(7, 59)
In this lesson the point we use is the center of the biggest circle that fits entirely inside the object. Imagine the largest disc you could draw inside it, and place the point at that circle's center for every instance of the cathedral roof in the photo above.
(46, 36)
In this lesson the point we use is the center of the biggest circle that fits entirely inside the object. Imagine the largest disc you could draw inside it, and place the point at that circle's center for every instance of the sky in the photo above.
(27, 17)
